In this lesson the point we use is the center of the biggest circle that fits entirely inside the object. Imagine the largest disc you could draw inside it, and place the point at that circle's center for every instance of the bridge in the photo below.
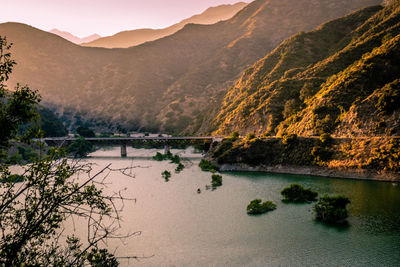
(124, 141)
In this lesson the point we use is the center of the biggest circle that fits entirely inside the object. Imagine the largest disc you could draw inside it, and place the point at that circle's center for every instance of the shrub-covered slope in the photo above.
(341, 78)
(168, 84)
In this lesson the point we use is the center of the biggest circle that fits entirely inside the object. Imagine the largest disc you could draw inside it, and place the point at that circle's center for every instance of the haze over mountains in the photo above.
(135, 37)
(75, 39)
(176, 83)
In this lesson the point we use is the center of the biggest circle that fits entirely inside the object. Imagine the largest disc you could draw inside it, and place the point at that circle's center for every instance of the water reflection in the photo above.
(183, 227)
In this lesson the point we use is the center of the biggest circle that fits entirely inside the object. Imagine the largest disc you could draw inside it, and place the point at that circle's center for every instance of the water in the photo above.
(182, 228)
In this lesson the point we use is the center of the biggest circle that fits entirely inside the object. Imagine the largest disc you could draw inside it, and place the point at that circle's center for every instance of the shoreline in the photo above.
(313, 171)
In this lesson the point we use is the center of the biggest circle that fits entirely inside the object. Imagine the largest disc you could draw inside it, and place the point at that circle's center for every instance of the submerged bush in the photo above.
(216, 180)
(206, 165)
(166, 175)
(256, 207)
(297, 193)
(331, 209)
(179, 168)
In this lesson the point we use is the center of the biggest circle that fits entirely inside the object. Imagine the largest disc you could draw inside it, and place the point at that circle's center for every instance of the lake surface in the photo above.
(183, 228)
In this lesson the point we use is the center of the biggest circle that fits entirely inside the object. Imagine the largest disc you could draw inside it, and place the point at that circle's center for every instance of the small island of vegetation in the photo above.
(297, 193)
(257, 207)
(216, 180)
(166, 175)
(331, 209)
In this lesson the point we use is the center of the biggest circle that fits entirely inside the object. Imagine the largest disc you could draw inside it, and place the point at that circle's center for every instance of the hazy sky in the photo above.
(105, 17)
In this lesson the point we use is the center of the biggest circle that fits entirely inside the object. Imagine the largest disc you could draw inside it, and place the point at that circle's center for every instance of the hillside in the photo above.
(342, 78)
(75, 39)
(136, 37)
(175, 83)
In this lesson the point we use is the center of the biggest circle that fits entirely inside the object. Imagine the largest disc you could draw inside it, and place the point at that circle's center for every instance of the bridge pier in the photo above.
(123, 150)
(167, 149)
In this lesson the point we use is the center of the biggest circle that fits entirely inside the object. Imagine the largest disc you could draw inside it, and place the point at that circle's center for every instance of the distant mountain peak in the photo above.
(130, 38)
(75, 39)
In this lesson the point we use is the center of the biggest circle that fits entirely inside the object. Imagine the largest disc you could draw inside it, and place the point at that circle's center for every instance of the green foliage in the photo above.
(321, 154)
(250, 136)
(16, 108)
(179, 168)
(331, 209)
(389, 99)
(270, 152)
(50, 194)
(216, 180)
(50, 124)
(290, 108)
(235, 135)
(101, 258)
(175, 159)
(206, 165)
(11, 178)
(289, 139)
(160, 157)
(85, 132)
(386, 157)
(32, 213)
(27, 153)
(80, 148)
(297, 193)
(166, 175)
(256, 207)
(326, 139)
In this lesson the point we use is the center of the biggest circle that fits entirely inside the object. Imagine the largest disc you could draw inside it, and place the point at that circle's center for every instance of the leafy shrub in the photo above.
(161, 157)
(257, 207)
(289, 139)
(389, 100)
(27, 153)
(331, 209)
(14, 178)
(166, 175)
(326, 139)
(205, 165)
(234, 135)
(321, 154)
(250, 136)
(175, 159)
(216, 180)
(179, 168)
(297, 193)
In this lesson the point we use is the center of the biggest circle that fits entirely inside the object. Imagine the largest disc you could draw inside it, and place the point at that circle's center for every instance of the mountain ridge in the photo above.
(173, 84)
(130, 38)
(301, 89)
(75, 39)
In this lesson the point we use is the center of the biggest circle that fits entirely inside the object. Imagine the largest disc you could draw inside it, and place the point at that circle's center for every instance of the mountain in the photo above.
(175, 83)
(343, 78)
(135, 37)
(74, 39)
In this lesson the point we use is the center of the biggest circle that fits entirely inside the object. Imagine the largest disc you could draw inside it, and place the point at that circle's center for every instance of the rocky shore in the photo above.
(315, 171)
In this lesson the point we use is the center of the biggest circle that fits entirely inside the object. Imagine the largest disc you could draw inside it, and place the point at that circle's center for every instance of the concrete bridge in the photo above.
(124, 141)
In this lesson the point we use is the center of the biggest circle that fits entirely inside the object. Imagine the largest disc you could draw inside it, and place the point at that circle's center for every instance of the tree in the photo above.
(80, 148)
(297, 193)
(85, 132)
(216, 180)
(257, 207)
(331, 209)
(35, 202)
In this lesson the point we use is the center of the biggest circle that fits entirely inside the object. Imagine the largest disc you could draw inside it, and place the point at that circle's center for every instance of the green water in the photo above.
(183, 228)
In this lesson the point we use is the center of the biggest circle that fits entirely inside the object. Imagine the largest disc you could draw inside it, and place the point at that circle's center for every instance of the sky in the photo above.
(104, 17)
